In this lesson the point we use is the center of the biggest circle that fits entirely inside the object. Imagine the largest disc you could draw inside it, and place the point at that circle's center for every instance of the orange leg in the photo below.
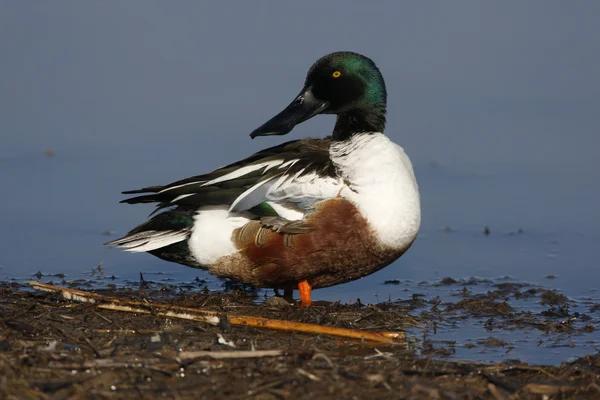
(305, 289)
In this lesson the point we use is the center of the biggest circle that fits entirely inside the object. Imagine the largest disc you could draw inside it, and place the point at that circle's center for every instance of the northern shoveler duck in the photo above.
(309, 213)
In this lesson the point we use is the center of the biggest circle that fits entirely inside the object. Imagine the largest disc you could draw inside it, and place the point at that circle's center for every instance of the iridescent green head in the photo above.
(343, 83)
(347, 80)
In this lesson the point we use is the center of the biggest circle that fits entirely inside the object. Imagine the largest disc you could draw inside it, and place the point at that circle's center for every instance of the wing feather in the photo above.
(253, 196)
(298, 172)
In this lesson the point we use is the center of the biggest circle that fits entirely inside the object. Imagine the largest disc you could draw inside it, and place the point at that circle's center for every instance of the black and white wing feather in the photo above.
(299, 172)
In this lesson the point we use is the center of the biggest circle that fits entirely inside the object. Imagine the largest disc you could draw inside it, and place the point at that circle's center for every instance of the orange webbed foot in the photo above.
(305, 289)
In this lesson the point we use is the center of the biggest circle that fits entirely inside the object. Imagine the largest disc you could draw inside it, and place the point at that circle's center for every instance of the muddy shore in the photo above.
(59, 349)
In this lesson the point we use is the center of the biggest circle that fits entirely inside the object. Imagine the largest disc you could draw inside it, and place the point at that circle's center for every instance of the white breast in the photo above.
(382, 185)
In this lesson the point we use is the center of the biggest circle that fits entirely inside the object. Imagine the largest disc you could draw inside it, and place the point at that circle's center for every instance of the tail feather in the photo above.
(162, 230)
(149, 240)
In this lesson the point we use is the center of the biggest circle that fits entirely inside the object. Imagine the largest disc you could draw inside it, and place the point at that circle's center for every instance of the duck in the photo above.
(306, 214)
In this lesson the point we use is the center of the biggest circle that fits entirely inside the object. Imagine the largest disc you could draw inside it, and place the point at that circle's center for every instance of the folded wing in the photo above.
(298, 173)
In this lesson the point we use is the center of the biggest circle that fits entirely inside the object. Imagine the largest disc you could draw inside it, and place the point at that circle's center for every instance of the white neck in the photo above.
(381, 183)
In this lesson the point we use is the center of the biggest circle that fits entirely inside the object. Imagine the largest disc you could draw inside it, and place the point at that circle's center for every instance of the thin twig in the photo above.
(222, 355)
(308, 375)
(94, 349)
(212, 317)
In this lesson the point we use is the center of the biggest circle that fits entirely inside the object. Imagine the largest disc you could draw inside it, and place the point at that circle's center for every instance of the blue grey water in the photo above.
(497, 104)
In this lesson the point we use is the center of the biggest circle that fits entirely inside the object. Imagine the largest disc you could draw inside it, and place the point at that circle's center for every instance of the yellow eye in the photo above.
(336, 74)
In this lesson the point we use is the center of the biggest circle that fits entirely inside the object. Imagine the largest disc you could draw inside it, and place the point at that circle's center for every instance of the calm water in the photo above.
(496, 107)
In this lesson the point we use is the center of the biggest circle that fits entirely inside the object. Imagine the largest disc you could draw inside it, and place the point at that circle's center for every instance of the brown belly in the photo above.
(340, 247)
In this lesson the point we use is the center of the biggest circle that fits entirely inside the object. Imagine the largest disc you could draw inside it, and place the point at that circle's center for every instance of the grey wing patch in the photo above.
(282, 225)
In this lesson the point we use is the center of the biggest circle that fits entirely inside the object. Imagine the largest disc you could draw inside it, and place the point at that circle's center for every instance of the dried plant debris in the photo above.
(553, 298)
(54, 348)
(483, 307)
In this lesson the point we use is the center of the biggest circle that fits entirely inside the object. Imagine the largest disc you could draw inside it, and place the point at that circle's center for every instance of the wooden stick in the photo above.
(213, 317)
(227, 355)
